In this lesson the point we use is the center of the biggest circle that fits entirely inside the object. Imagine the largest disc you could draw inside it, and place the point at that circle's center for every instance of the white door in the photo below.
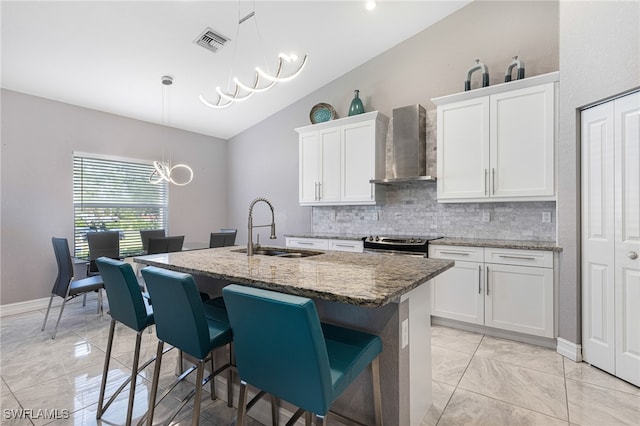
(611, 236)
(329, 190)
(598, 237)
(458, 293)
(309, 163)
(627, 237)
(519, 298)
(463, 149)
(358, 161)
(522, 142)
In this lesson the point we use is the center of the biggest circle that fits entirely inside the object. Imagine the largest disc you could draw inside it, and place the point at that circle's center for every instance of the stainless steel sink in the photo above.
(280, 252)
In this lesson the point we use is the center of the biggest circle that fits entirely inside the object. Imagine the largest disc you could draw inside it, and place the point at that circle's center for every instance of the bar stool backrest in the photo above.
(279, 346)
(177, 308)
(126, 303)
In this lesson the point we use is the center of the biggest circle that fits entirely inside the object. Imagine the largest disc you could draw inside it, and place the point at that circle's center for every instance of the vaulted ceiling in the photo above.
(110, 55)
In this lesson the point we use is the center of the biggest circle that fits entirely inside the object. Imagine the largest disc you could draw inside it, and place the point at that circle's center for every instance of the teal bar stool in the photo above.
(282, 348)
(126, 306)
(181, 321)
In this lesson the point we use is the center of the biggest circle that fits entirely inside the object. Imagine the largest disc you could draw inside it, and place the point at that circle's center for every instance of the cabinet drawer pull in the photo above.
(479, 279)
(516, 257)
(305, 243)
(486, 284)
(460, 253)
(345, 245)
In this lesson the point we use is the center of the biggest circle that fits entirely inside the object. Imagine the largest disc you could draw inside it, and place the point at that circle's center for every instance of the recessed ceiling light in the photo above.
(371, 4)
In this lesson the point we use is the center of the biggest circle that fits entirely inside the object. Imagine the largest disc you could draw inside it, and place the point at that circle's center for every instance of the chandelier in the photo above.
(289, 67)
(164, 171)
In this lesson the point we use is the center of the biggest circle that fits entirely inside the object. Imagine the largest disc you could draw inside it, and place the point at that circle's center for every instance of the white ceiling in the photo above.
(110, 55)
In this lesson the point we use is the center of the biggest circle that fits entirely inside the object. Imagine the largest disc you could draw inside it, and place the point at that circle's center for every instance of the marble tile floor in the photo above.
(477, 379)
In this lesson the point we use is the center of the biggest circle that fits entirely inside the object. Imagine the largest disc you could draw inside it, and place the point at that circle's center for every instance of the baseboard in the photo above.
(28, 306)
(570, 350)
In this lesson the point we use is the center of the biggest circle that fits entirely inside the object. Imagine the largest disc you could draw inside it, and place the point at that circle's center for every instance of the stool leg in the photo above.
(154, 384)
(307, 418)
(105, 370)
(230, 377)
(319, 420)
(275, 410)
(377, 390)
(134, 374)
(212, 382)
(242, 403)
(198, 396)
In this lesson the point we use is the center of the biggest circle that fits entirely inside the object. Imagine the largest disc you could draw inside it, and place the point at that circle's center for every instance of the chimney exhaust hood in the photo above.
(409, 147)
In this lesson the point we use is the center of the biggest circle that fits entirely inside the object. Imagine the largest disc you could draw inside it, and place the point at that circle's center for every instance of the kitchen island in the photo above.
(380, 294)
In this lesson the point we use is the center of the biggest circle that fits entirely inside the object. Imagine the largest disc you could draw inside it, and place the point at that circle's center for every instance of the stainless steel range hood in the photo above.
(409, 147)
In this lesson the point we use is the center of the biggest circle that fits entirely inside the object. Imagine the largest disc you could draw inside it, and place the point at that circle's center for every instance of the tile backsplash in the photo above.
(412, 209)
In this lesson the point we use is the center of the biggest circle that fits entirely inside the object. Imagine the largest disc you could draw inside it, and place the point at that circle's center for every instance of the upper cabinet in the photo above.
(338, 158)
(497, 143)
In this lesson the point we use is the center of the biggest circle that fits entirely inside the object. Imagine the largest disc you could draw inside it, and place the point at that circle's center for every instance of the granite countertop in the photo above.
(354, 237)
(512, 244)
(369, 280)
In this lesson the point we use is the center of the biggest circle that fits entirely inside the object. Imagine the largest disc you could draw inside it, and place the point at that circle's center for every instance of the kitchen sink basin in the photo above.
(281, 252)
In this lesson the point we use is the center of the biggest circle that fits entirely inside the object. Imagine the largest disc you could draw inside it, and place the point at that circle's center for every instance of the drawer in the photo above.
(346, 245)
(308, 243)
(468, 254)
(538, 258)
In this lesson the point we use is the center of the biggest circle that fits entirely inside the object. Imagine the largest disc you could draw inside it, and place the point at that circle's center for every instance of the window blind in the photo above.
(115, 195)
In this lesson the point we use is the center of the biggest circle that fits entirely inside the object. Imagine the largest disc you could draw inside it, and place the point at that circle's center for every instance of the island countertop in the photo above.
(361, 279)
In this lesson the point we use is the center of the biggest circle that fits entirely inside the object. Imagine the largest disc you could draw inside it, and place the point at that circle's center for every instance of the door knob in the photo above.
(632, 255)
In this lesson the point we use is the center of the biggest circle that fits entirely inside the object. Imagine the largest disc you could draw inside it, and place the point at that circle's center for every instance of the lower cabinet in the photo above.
(502, 288)
(325, 244)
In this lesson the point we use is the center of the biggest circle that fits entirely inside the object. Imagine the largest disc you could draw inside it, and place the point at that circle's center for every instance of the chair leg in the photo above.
(100, 310)
(275, 410)
(377, 390)
(154, 384)
(134, 375)
(198, 395)
(84, 300)
(55, 330)
(242, 401)
(212, 382)
(44, 323)
(230, 377)
(105, 370)
(319, 420)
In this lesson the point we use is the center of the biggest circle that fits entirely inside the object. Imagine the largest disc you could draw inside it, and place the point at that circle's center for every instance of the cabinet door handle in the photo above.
(319, 190)
(493, 181)
(316, 191)
(460, 253)
(486, 284)
(486, 185)
(504, 256)
(371, 185)
(479, 279)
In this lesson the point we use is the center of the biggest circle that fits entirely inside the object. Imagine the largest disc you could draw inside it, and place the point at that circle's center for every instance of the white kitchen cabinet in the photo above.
(325, 244)
(506, 289)
(497, 143)
(457, 293)
(338, 158)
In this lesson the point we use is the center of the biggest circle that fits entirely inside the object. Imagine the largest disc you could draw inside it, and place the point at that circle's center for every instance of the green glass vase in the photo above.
(356, 104)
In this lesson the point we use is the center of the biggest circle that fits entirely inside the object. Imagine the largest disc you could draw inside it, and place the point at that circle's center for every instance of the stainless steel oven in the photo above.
(398, 245)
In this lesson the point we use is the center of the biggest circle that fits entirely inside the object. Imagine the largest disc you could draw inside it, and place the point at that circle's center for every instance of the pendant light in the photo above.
(164, 171)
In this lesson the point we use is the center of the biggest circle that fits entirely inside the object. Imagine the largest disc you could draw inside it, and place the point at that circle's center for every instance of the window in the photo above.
(115, 194)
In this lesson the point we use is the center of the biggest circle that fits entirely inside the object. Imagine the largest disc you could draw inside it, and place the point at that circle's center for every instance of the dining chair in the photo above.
(157, 245)
(224, 238)
(102, 243)
(149, 233)
(128, 306)
(65, 285)
(282, 348)
(182, 322)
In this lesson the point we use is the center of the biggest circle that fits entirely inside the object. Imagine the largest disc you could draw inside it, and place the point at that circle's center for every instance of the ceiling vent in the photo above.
(211, 40)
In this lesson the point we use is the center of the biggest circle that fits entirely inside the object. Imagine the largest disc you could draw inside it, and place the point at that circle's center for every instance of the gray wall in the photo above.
(38, 139)
(264, 160)
(599, 57)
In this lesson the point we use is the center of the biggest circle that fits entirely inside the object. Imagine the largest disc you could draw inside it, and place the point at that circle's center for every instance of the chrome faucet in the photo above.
(250, 246)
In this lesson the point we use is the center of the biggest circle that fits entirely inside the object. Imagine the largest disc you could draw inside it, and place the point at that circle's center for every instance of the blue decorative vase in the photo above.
(356, 104)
